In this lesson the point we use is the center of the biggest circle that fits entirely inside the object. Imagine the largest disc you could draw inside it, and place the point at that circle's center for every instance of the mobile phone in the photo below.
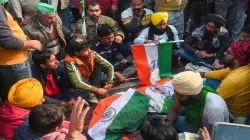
(230, 131)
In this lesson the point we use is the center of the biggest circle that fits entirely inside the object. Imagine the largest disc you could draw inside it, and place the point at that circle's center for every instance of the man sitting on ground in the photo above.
(245, 33)
(82, 66)
(116, 53)
(203, 106)
(207, 44)
(160, 31)
(157, 127)
(54, 79)
(235, 80)
(23, 95)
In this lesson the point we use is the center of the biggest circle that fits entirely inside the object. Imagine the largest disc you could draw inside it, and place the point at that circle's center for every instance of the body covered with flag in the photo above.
(153, 62)
(118, 115)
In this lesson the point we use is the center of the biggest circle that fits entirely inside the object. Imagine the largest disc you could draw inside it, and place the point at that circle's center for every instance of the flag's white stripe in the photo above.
(157, 97)
(98, 131)
(152, 56)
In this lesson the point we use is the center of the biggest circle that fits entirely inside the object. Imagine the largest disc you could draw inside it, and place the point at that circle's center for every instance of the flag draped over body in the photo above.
(153, 62)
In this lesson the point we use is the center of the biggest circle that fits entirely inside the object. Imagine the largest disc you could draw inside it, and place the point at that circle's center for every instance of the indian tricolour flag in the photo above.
(118, 115)
(153, 62)
(160, 96)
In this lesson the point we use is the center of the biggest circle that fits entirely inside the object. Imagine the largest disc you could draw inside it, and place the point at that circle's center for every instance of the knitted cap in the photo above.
(3, 1)
(45, 8)
(77, 45)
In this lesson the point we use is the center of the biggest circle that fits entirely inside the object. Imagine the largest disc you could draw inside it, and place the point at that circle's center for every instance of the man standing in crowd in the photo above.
(135, 19)
(174, 8)
(203, 106)
(47, 27)
(94, 19)
(234, 12)
(13, 52)
(116, 53)
(82, 65)
(160, 31)
(207, 44)
(235, 81)
(22, 10)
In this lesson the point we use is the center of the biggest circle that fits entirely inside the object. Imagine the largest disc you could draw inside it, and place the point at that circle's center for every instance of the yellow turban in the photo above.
(156, 18)
(188, 83)
(26, 93)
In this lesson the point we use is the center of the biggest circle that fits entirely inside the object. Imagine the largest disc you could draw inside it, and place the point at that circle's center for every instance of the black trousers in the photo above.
(198, 13)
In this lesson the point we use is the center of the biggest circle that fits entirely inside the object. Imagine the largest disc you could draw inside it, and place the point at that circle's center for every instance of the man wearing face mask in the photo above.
(135, 19)
(207, 44)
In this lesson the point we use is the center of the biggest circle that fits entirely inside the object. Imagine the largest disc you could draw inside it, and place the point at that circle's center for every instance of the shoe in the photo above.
(92, 98)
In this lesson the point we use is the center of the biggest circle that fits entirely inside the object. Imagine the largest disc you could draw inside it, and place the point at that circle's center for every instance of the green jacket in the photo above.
(35, 32)
(92, 28)
(79, 73)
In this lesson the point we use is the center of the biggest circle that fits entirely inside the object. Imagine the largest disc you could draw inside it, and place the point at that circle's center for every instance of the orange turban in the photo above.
(26, 93)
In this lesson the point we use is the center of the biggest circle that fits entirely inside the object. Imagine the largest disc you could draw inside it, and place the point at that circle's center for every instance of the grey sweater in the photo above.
(7, 38)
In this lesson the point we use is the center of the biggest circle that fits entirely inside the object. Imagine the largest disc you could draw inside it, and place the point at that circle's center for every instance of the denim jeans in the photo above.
(128, 45)
(234, 12)
(193, 58)
(182, 126)
(66, 95)
(198, 12)
(176, 18)
(9, 75)
(212, 83)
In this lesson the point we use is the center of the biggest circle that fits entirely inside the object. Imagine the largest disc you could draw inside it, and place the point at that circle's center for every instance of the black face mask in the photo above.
(137, 9)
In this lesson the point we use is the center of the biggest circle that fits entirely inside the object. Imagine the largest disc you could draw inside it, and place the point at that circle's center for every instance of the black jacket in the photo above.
(60, 76)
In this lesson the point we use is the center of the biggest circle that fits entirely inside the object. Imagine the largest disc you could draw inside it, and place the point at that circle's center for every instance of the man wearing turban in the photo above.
(235, 80)
(207, 44)
(203, 106)
(160, 31)
(23, 95)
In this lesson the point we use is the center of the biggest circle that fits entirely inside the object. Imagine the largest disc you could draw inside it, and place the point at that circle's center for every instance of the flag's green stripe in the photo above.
(167, 104)
(165, 59)
(129, 118)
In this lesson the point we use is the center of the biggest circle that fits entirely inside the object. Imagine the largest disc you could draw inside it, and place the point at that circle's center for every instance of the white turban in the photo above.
(188, 83)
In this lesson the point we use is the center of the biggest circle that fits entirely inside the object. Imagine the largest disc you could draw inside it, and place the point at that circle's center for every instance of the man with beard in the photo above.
(94, 19)
(135, 19)
(207, 44)
(235, 80)
(82, 65)
(160, 31)
(203, 106)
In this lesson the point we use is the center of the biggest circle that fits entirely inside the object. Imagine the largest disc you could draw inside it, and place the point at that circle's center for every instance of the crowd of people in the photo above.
(53, 73)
